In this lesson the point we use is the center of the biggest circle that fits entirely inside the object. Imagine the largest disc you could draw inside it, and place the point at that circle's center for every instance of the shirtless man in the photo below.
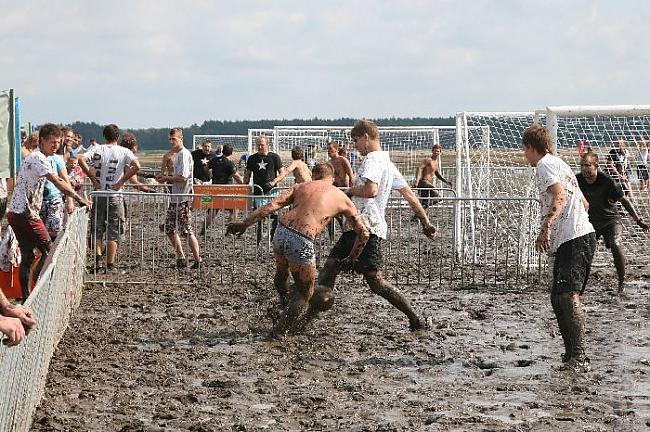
(298, 167)
(424, 176)
(313, 204)
(343, 176)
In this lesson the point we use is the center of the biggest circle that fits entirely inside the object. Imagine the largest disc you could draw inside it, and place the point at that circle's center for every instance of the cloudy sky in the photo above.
(163, 63)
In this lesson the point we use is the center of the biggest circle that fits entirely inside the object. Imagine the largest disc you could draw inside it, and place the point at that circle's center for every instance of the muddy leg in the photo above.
(380, 286)
(570, 315)
(281, 279)
(305, 278)
(619, 263)
(561, 317)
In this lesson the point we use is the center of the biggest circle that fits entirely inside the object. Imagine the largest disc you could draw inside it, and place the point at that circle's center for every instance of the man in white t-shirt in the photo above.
(376, 178)
(112, 166)
(24, 210)
(567, 236)
(179, 214)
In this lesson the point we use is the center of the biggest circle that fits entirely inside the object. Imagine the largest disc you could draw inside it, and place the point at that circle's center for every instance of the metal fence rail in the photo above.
(23, 369)
(493, 250)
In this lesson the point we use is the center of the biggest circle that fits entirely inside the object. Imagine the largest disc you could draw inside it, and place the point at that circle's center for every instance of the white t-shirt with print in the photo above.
(183, 166)
(573, 221)
(377, 168)
(28, 193)
(109, 161)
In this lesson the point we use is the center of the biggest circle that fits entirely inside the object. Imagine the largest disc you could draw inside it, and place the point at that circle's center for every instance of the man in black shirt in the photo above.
(223, 169)
(265, 167)
(201, 156)
(602, 193)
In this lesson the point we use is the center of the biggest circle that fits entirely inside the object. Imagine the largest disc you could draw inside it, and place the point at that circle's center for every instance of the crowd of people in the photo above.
(576, 210)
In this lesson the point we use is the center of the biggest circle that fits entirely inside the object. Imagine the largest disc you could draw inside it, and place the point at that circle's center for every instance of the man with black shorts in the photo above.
(567, 236)
(24, 210)
(112, 165)
(313, 204)
(602, 193)
(424, 177)
(265, 167)
(376, 178)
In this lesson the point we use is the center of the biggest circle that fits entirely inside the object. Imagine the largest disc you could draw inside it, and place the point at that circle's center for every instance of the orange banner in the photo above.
(237, 199)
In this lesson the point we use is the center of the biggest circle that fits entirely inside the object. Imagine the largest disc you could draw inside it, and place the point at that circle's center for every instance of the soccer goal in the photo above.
(239, 143)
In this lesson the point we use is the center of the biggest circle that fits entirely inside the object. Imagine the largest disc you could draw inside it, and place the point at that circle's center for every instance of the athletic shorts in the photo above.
(30, 233)
(108, 217)
(426, 193)
(611, 234)
(179, 219)
(53, 213)
(571, 264)
(294, 246)
(370, 259)
(642, 172)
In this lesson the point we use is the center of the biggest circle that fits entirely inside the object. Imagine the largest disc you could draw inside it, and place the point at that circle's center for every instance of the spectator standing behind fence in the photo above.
(30, 144)
(24, 210)
(424, 176)
(298, 167)
(376, 178)
(112, 166)
(567, 236)
(265, 167)
(179, 215)
(642, 163)
(129, 141)
(602, 193)
(54, 204)
(15, 321)
(313, 204)
(76, 175)
(201, 157)
(618, 165)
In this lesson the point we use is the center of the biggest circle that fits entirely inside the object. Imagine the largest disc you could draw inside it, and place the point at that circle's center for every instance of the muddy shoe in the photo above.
(579, 364)
(111, 269)
(181, 263)
(421, 324)
(621, 287)
(197, 265)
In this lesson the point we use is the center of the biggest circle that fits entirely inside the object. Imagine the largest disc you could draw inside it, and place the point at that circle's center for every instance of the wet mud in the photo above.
(157, 357)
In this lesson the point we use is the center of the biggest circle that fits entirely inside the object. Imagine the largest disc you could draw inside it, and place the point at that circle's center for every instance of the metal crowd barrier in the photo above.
(493, 248)
(23, 369)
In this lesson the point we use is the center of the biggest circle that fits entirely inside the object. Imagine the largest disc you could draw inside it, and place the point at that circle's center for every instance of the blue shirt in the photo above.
(50, 192)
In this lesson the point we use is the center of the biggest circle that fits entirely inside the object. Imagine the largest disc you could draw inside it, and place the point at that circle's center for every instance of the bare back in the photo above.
(342, 171)
(315, 203)
(300, 170)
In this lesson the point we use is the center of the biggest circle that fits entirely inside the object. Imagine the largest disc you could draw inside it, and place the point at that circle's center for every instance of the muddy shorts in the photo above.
(642, 172)
(179, 219)
(53, 213)
(108, 217)
(611, 234)
(370, 259)
(571, 264)
(30, 233)
(427, 193)
(294, 246)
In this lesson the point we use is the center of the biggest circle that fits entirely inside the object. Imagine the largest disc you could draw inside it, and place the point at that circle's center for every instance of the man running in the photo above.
(602, 193)
(376, 178)
(313, 204)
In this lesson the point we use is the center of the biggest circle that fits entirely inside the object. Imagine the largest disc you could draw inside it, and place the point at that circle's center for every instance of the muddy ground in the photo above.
(157, 357)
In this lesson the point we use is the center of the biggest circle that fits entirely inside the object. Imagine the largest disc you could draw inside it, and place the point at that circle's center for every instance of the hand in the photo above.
(13, 329)
(644, 226)
(24, 314)
(543, 241)
(160, 178)
(96, 184)
(429, 231)
(118, 185)
(348, 192)
(69, 206)
(236, 228)
(83, 202)
(448, 183)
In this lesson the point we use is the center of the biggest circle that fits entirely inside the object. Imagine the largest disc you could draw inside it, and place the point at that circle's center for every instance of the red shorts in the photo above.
(30, 233)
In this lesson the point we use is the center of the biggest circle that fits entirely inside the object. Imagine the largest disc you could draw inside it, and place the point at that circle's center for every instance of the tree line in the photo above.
(156, 138)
